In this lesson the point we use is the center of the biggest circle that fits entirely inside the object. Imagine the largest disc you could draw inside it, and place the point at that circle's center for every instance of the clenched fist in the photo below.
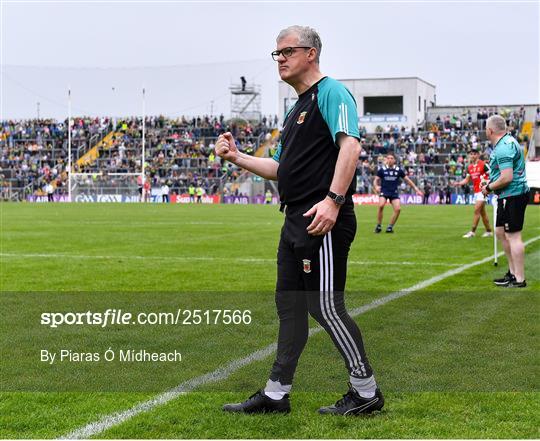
(226, 147)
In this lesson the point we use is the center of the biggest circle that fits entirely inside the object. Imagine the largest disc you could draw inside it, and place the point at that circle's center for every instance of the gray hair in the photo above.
(497, 123)
(306, 37)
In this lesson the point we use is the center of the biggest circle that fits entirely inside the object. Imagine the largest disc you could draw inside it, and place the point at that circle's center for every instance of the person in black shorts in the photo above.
(509, 181)
(314, 164)
(386, 184)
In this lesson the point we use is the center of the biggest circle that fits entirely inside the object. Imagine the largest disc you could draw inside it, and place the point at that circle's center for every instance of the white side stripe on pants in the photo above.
(338, 319)
(329, 311)
(322, 300)
(338, 328)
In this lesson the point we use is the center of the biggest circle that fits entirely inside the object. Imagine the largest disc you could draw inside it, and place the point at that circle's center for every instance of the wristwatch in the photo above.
(338, 199)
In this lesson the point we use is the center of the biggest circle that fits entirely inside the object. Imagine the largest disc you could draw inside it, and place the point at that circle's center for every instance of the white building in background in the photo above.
(380, 101)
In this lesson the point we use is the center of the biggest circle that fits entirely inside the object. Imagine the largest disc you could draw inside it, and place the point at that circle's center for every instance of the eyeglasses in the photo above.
(287, 51)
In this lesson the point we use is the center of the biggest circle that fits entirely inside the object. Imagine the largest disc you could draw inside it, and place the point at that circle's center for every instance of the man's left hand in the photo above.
(326, 213)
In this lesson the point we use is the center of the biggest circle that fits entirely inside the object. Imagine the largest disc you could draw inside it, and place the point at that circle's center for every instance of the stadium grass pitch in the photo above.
(456, 359)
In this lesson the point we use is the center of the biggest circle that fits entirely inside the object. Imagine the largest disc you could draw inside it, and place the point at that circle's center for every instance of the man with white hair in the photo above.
(508, 181)
(315, 166)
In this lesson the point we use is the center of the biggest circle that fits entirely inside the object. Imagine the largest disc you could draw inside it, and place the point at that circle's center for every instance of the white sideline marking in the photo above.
(223, 373)
(199, 258)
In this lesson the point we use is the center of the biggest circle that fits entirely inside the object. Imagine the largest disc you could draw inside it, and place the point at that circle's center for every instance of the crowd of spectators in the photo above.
(33, 153)
(425, 155)
(436, 155)
(468, 121)
(179, 151)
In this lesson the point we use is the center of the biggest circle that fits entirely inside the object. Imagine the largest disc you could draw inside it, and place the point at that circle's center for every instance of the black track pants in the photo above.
(311, 279)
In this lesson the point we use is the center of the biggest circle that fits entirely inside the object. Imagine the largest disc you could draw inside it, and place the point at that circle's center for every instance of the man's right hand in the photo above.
(226, 147)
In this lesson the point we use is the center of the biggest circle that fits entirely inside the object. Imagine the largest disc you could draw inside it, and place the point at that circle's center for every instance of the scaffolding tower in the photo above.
(246, 101)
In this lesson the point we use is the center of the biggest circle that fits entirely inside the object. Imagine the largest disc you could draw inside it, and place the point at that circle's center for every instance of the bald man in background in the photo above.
(509, 182)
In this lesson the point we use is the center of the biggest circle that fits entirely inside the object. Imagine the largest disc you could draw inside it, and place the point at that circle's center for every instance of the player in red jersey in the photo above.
(147, 189)
(476, 171)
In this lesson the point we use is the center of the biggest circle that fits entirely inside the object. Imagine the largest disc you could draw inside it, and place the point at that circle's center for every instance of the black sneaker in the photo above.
(260, 403)
(515, 284)
(389, 229)
(354, 404)
(378, 229)
(504, 281)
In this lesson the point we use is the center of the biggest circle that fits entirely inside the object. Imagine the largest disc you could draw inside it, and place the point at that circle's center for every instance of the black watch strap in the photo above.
(339, 199)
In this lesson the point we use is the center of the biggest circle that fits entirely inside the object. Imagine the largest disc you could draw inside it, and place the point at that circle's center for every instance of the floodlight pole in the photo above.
(69, 143)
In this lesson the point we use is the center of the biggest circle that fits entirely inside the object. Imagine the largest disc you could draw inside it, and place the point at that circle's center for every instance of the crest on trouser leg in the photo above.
(307, 265)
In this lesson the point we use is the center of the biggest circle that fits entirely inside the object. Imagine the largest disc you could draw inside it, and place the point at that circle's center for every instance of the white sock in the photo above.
(365, 387)
(275, 390)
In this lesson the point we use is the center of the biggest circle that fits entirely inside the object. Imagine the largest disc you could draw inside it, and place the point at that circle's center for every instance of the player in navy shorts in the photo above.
(386, 184)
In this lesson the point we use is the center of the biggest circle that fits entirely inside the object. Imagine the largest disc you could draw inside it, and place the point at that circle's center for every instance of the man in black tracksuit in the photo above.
(314, 165)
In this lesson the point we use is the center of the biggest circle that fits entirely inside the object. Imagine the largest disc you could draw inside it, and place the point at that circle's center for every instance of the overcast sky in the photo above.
(187, 54)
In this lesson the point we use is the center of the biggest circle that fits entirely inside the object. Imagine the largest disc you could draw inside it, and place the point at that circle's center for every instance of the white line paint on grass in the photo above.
(223, 373)
(196, 259)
